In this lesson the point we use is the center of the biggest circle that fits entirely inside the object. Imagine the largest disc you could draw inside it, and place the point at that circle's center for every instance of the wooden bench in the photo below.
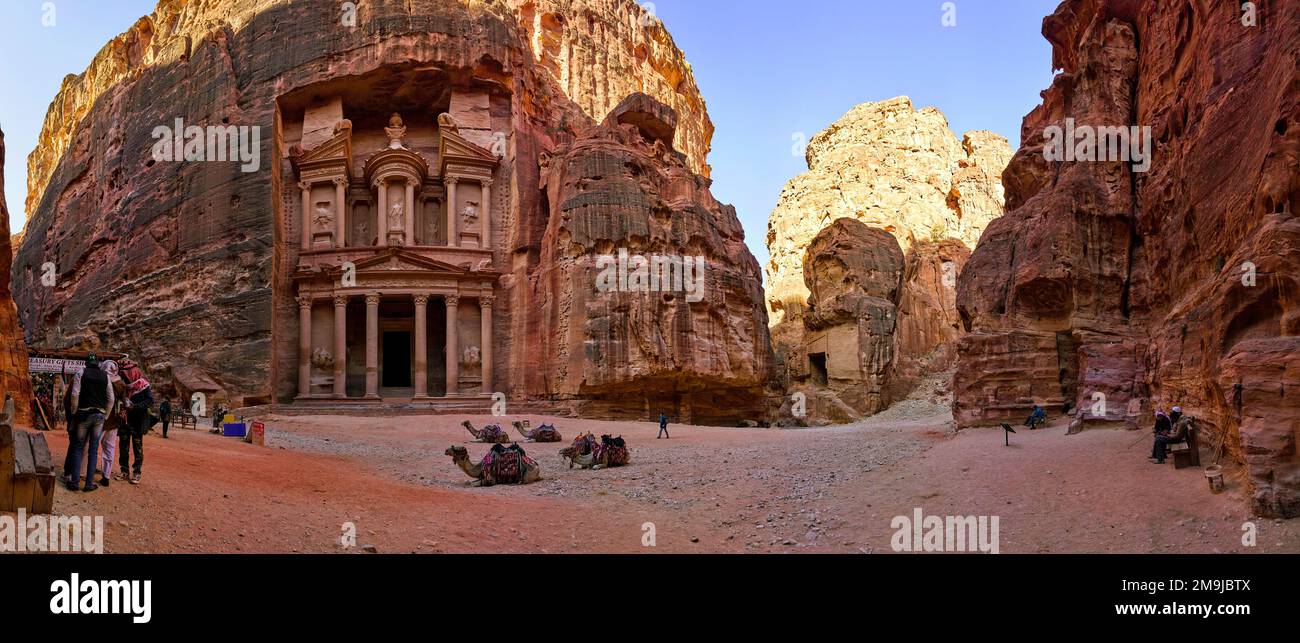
(26, 472)
(186, 420)
(1187, 453)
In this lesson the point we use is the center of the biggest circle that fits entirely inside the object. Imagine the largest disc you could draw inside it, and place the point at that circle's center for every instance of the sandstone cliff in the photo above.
(697, 352)
(903, 174)
(1119, 291)
(14, 380)
(178, 263)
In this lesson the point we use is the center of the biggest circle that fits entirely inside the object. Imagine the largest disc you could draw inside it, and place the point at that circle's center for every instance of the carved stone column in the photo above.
(421, 346)
(410, 213)
(485, 340)
(381, 216)
(453, 235)
(304, 345)
(486, 213)
(340, 212)
(306, 214)
(372, 345)
(340, 345)
(453, 349)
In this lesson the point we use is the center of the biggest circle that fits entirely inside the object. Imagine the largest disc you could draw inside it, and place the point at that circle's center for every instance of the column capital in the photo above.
(305, 301)
(381, 181)
(452, 300)
(340, 180)
(340, 301)
(304, 185)
(487, 183)
(372, 299)
(421, 300)
(450, 180)
(487, 300)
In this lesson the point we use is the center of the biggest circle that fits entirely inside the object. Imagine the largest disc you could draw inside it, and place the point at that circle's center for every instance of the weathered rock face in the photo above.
(902, 173)
(855, 276)
(180, 263)
(14, 380)
(1147, 289)
(639, 346)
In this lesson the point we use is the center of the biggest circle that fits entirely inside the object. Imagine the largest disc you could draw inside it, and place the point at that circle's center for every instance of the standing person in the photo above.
(139, 402)
(92, 397)
(663, 427)
(165, 414)
(113, 423)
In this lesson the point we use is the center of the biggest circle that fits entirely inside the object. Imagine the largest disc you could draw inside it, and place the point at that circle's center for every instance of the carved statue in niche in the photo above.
(323, 220)
(471, 356)
(470, 214)
(397, 217)
(322, 359)
(431, 218)
(362, 233)
(396, 131)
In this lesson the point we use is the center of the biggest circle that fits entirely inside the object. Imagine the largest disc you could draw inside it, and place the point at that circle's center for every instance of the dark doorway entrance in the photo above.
(817, 368)
(397, 359)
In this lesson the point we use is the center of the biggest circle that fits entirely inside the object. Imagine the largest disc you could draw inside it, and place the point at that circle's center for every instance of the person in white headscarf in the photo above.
(114, 421)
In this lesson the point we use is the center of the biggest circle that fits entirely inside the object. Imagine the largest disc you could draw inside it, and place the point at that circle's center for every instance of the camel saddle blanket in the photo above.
(506, 466)
(492, 432)
(546, 433)
(618, 456)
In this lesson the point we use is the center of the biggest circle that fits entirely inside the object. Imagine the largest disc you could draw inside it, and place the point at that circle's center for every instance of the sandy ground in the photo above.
(833, 489)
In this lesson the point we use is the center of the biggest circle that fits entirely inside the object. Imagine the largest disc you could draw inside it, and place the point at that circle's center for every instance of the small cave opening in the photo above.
(817, 368)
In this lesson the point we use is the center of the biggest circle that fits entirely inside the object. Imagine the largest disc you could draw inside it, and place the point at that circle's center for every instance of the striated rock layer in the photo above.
(699, 353)
(14, 380)
(903, 174)
(184, 264)
(1118, 291)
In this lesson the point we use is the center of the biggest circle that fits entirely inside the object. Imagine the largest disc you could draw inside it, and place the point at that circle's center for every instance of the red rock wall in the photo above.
(14, 379)
(176, 262)
(1103, 280)
(629, 353)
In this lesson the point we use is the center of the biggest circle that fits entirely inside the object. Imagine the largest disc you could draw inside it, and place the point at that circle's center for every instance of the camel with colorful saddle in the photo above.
(588, 453)
(501, 465)
(491, 433)
(543, 433)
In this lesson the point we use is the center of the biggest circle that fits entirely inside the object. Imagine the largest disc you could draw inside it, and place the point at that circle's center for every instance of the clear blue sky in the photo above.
(768, 68)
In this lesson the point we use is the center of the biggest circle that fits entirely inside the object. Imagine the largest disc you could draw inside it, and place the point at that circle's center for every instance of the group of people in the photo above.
(109, 408)
(1169, 429)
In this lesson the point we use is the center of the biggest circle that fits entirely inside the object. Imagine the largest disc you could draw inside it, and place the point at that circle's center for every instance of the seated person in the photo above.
(1167, 434)
(1037, 417)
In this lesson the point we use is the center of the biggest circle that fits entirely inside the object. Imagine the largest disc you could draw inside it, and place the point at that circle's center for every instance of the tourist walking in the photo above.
(165, 414)
(139, 403)
(92, 398)
(663, 427)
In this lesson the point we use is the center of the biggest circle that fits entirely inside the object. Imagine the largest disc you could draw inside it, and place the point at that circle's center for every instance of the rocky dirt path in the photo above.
(832, 489)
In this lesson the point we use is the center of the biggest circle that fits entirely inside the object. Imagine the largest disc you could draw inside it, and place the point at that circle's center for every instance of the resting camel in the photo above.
(500, 466)
(491, 433)
(543, 433)
(587, 454)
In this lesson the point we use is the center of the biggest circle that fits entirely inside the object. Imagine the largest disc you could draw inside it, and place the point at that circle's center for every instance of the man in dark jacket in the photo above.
(92, 397)
(1167, 433)
(138, 405)
(165, 414)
